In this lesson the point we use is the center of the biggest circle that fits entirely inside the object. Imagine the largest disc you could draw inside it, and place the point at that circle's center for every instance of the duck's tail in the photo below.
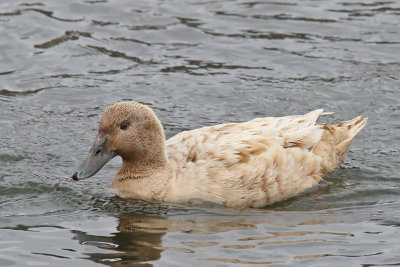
(335, 142)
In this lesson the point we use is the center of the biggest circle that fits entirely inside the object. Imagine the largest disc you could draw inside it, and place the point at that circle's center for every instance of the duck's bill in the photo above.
(98, 156)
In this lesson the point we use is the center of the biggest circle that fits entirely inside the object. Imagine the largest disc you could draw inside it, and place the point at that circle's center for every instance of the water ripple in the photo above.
(68, 36)
(118, 54)
(5, 92)
(50, 15)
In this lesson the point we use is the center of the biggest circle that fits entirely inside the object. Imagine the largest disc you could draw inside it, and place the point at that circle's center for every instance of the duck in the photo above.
(245, 164)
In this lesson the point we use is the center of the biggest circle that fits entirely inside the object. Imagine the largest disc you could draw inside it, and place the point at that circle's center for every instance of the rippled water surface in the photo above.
(196, 63)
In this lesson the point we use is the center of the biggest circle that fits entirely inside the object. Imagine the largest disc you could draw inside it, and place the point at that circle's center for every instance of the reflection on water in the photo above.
(196, 63)
(274, 238)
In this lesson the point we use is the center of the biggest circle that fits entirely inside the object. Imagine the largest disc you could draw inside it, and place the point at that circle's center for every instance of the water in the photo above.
(196, 63)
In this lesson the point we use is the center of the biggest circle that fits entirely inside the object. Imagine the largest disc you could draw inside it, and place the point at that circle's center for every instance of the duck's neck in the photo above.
(143, 167)
(145, 178)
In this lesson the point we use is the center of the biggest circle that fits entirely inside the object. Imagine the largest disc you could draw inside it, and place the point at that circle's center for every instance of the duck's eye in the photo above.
(124, 125)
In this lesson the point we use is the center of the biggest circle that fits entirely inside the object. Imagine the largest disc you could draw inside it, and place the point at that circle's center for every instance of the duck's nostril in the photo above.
(97, 152)
(75, 176)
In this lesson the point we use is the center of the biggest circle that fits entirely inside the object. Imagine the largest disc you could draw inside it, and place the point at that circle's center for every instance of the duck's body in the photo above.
(254, 163)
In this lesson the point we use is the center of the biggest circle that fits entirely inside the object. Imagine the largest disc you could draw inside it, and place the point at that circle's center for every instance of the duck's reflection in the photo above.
(132, 244)
(140, 239)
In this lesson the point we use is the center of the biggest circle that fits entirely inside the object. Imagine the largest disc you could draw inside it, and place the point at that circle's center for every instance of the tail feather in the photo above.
(349, 122)
(356, 127)
(335, 142)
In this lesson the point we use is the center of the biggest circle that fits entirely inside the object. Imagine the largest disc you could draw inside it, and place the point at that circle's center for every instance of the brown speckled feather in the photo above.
(247, 164)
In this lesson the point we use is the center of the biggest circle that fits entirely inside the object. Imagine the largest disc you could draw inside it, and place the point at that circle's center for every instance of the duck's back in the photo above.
(246, 164)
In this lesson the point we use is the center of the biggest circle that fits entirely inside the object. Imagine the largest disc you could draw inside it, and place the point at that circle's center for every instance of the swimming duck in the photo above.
(248, 164)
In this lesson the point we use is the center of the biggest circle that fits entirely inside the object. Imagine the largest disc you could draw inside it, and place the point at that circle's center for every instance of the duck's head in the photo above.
(128, 129)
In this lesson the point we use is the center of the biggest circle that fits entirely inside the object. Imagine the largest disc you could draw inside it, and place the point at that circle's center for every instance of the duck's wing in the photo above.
(292, 122)
(297, 131)
(228, 142)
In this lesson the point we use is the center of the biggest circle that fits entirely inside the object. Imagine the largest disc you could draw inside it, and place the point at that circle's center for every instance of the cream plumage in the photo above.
(254, 163)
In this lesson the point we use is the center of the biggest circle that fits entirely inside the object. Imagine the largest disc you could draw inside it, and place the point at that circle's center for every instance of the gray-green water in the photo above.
(196, 63)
